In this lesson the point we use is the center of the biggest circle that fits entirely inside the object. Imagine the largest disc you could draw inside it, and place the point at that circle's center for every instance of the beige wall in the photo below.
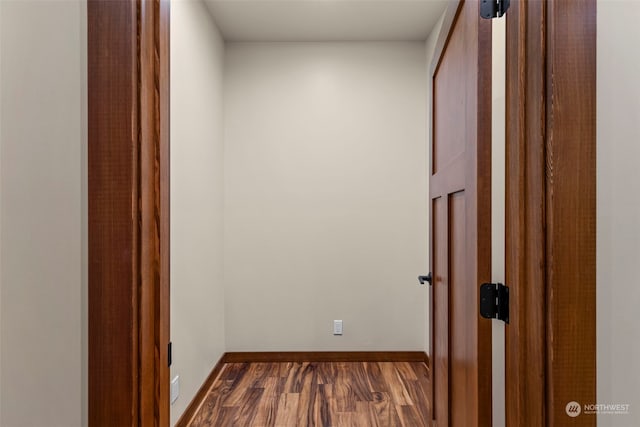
(325, 207)
(42, 199)
(197, 293)
(498, 170)
(618, 204)
(1, 212)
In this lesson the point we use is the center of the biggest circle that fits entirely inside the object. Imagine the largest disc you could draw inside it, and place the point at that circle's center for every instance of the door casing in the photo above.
(128, 242)
(551, 210)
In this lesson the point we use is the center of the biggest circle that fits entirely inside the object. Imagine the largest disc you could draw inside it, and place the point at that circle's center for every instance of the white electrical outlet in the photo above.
(337, 327)
(175, 388)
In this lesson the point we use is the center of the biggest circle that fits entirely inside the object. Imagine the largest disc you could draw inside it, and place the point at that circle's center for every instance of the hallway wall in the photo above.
(197, 289)
(325, 206)
(618, 208)
(43, 213)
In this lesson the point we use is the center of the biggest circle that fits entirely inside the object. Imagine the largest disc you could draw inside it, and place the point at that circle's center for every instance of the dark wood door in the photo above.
(460, 193)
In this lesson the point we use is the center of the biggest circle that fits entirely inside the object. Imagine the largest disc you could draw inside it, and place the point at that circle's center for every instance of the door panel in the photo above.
(460, 191)
(440, 311)
(460, 350)
(448, 81)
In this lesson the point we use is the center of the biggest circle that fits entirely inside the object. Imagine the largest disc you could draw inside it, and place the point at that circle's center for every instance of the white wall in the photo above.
(197, 292)
(42, 199)
(618, 204)
(325, 207)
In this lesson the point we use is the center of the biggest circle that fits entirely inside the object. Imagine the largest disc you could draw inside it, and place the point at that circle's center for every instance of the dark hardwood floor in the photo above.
(362, 394)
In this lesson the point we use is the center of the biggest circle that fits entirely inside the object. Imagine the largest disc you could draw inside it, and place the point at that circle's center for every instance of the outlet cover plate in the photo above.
(175, 388)
(337, 327)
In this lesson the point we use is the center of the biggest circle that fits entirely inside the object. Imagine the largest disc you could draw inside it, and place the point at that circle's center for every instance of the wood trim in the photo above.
(525, 213)
(482, 221)
(194, 406)
(163, 386)
(153, 28)
(571, 207)
(128, 150)
(550, 210)
(112, 189)
(326, 356)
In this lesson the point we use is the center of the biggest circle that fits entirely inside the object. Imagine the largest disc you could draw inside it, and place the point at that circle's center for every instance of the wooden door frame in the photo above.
(551, 210)
(550, 250)
(128, 172)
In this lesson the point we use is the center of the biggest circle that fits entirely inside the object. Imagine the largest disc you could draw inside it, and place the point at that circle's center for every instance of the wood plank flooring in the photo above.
(331, 394)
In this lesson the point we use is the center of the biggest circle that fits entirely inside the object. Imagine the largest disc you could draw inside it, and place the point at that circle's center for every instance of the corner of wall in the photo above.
(197, 291)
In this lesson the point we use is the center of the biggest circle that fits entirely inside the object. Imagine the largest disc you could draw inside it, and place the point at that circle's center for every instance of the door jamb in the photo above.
(551, 210)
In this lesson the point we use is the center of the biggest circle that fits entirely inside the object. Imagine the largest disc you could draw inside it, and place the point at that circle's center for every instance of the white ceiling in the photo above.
(325, 20)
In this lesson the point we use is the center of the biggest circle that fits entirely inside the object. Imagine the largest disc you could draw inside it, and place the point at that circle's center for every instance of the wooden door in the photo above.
(460, 193)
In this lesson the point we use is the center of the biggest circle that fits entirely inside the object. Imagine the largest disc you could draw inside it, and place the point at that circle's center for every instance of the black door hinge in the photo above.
(494, 301)
(490, 9)
(170, 355)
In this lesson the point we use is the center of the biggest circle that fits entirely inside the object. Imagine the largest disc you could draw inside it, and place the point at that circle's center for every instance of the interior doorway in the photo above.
(128, 187)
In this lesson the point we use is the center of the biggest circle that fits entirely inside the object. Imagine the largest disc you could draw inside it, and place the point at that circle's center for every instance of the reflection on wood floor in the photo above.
(361, 394)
